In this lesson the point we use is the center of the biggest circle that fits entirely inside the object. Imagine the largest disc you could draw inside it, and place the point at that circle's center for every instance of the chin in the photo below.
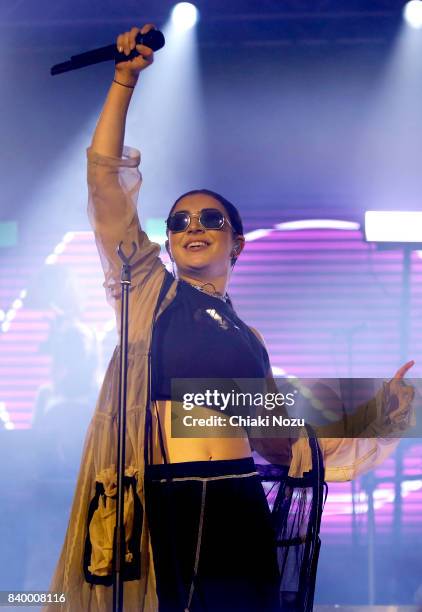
(197, 267)
(198, 261)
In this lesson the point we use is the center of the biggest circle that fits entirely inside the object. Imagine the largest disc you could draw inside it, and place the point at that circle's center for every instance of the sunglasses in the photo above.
(209, 218)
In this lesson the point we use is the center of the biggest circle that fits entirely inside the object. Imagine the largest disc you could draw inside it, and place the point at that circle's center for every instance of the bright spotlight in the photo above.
(413, 13)
(393, 226)
(184, 16)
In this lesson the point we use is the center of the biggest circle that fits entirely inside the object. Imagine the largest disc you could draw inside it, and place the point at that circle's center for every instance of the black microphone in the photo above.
(154, 39)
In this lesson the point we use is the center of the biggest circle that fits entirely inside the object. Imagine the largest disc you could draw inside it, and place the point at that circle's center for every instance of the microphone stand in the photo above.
(119, 544)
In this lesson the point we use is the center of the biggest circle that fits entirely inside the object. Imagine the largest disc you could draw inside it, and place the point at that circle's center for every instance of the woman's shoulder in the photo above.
(258, 335)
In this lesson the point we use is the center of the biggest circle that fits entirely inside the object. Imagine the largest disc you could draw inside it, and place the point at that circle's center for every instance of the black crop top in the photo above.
(200, 336)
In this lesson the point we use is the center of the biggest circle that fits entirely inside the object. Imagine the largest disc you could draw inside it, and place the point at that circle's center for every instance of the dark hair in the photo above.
(232, 212)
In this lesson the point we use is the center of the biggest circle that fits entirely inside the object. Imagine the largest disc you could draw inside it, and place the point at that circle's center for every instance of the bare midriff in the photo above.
(197, 449)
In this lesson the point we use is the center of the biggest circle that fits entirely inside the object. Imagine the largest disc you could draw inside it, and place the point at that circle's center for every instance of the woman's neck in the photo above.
(213, 286)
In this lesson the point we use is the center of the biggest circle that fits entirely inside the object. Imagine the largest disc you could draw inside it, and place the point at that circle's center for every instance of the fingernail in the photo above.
(120, 49)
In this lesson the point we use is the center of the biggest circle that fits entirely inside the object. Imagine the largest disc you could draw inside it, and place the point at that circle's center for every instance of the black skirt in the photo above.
(213, 542)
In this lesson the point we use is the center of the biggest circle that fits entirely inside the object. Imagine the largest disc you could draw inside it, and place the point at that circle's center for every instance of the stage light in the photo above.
(257, 234)
(304, 224)
(413, 13)
(393, 226)
(184, 16)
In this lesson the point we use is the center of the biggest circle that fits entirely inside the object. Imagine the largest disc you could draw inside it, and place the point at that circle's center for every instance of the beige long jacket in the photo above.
(113, 190)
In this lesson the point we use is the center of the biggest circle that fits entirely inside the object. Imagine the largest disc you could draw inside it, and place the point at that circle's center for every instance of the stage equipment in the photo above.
(393, 230)
(119, 541)
(394, 227)
(401, 230)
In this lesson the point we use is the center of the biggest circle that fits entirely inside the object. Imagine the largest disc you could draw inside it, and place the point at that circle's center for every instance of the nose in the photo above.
(194, 225)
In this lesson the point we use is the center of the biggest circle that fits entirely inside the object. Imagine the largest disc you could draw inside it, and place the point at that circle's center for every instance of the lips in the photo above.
(196, 245)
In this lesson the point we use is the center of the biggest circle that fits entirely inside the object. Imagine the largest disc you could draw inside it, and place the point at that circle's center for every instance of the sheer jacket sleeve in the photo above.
(358, 443)
(113, 187)
(348, 458)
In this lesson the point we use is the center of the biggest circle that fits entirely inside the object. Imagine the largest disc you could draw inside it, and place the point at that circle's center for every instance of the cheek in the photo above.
(173, 250)
(175, 243)
(225, 243)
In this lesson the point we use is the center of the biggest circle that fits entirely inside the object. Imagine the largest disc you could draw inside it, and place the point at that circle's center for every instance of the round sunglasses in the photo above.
(209, 218)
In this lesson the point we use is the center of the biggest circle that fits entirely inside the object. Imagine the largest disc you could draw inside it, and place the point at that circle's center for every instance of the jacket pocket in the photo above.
(98, 552)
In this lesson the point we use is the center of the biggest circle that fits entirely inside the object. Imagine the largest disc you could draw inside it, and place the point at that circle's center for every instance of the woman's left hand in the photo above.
(398, 397)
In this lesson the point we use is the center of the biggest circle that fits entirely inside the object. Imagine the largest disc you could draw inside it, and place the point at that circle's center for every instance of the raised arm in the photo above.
(114, 179)
(110, 131)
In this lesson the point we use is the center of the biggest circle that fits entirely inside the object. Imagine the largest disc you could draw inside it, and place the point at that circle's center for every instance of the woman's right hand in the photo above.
(128, 72)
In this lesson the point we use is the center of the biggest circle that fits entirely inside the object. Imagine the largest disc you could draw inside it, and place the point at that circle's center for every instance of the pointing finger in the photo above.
(401, 372)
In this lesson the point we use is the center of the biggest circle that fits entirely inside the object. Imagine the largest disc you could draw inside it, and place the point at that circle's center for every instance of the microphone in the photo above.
(154, 39)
